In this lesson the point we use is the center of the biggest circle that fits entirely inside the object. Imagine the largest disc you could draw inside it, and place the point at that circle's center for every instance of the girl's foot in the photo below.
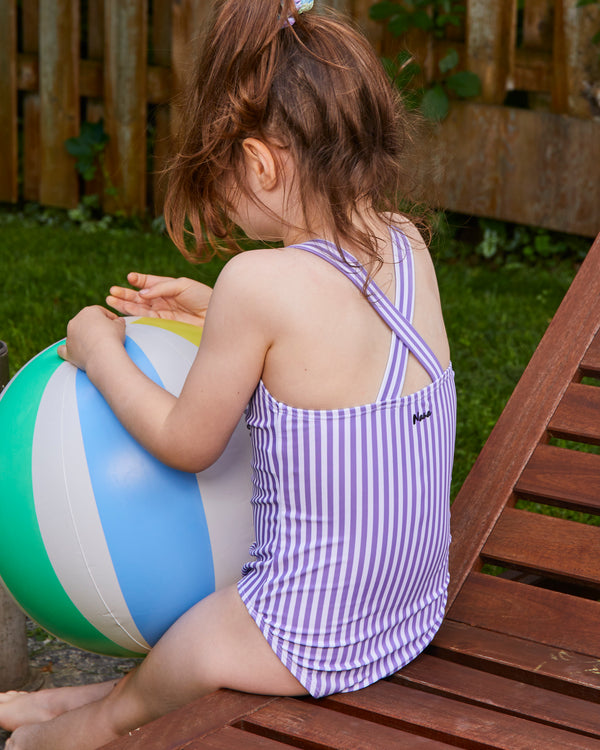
(20, 708)
(87, 727)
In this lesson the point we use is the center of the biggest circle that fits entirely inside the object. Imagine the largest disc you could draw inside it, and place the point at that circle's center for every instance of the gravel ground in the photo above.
(55, 664)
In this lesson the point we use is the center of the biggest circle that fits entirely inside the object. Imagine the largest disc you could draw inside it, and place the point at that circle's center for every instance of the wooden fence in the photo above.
(527, 150)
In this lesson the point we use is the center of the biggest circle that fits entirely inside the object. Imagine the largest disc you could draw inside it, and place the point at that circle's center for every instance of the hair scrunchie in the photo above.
(302, 6)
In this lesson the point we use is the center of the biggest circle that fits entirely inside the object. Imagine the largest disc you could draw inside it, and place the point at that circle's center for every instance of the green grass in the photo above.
(495, 316)
(51, 272)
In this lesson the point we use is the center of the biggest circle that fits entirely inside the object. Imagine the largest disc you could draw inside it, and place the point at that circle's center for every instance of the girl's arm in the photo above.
(162, 297)
(189, 432)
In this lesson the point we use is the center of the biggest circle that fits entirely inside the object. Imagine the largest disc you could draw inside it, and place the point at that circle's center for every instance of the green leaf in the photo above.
(448, 19)
(87, 172)
(381, 11)
(464, 83)
(399, 25)
(77, 147)
(95, 132)
(435, 103)
(582, 3)
(421, 20)
(449, 61)
(87, 147)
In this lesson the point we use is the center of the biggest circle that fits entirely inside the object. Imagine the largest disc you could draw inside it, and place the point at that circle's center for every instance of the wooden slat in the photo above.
(91, 79)
(8, 101)
(32, 149)
(554, 547)
(94, 106)
(501, 462)
(567, 478)
(303, 724)
(590, 364)
(537, 24)
(564, 671)
(59, 100)
(30, 25)
(533, 70)
(189, 18)
(161, 43)
(196, 720)
(373, 30)
(490, 39)
(125, 28)
(95, 30)
(31, 127)
(575, 57)
(578, 415)
(455, 722)
(500, 693)
(518, 165)
(230, 738)
(548, 617)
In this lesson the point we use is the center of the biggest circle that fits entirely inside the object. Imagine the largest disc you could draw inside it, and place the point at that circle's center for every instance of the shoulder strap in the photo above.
(353, 270)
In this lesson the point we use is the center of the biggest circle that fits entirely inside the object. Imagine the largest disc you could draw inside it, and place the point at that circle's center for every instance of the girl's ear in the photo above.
(260, 162)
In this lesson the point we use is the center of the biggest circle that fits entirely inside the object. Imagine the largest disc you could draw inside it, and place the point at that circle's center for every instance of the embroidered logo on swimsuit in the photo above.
(421, 417)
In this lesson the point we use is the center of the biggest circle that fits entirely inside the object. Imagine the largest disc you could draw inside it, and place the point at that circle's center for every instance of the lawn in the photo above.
(495, 315)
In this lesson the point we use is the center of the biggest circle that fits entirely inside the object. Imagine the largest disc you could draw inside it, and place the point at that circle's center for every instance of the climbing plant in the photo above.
(432, 17)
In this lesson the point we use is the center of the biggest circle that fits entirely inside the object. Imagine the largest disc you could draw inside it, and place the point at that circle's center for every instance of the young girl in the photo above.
(334, 346)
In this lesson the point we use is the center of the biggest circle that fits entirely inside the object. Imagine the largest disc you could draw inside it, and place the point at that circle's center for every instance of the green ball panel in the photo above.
(24, 564)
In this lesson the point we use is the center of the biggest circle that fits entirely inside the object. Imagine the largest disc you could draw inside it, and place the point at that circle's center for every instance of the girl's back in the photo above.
(333, 347)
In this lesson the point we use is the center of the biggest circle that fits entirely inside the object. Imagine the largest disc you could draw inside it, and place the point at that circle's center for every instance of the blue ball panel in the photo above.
(152, 516)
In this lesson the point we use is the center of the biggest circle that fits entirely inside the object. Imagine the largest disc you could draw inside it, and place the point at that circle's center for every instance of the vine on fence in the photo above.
(88, 149)
(431, 16)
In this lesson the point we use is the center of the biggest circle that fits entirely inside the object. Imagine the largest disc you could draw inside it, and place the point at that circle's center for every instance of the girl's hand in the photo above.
(162, 297)
(92, 333)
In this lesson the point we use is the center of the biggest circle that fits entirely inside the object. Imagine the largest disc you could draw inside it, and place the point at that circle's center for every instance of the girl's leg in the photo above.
(215, 644)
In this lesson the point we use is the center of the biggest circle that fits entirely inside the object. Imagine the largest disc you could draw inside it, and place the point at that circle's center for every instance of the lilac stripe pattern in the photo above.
(351, 513)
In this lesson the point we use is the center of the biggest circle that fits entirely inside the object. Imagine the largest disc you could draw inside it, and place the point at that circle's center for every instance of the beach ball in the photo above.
(100, 543)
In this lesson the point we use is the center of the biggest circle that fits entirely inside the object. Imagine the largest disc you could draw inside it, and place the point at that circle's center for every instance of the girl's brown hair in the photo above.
(314, 87)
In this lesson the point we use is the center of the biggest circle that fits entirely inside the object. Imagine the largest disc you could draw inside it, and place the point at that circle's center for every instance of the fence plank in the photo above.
(575, 57)
(161, 46)
(8, 100)
(94, 105)
(373, 30)
(520, 165)
(32, 148)
(189, 19)
(125, 28)
(59, 100)
(490, 37)
(537, 24)
(32, 153)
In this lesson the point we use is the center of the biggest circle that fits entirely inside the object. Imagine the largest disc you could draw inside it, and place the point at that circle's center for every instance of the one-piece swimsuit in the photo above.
(351, 510)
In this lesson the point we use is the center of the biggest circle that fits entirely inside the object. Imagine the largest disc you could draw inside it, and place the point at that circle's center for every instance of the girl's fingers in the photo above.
(144, 280)
(164, 288)
(124, 293)
(130, 308)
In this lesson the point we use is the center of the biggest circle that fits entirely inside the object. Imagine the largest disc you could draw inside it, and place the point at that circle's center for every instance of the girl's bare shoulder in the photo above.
(264, 282)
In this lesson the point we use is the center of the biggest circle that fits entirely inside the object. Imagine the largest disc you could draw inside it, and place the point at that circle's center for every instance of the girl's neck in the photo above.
(367, 220)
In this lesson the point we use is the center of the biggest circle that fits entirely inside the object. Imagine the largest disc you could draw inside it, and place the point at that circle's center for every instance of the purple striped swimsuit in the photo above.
(351, 512)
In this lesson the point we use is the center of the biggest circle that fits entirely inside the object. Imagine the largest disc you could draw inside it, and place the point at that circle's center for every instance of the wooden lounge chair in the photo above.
(516, 663)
